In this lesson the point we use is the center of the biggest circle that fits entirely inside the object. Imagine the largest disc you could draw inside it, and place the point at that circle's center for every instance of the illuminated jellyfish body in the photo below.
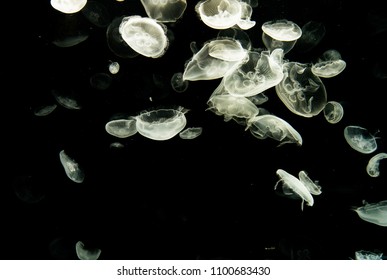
(367, 255)
(329, 65)
(85, 253)
(373, 164)
(312, 186)
(114, 67)
(164, 10)
(178, 83)
(375, 213)
(44, 110)
(292, 186)
(333, 112)
(281, 34)
(68, 6)
(144, 35)
(260, 72)
(71, 167)
(66, 98)
(312, 34)
(191, 133)
(121, 128)
(360, 139)
(263, 126)
(301, 91)
(161, 124)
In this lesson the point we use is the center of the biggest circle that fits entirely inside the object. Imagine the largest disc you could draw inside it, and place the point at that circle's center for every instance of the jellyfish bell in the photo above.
(68, 6)
(333, 112)
(373, 164)
(313, 186)
(178, 83)
(164, 10)
(191, 133)
(328, 69)
(360, 139)
(86, 252)
(375, 213)
(121, 128)
(71, 167)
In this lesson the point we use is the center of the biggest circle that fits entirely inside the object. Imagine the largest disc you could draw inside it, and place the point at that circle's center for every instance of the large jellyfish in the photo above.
(333, 112)
(375, 213)
(373, 164)
(71, 167)
(68, 6)
(164, 10)
(360, 139)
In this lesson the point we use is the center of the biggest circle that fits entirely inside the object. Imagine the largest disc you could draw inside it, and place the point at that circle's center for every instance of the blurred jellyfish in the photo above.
(313, 187)
(100, 81)
(69, 31)
(301, 91)
(333, 112)
(191, 133)
(373, 164)
(66, 98)
(114, 67)
(161, 124)
(71, 167)
(85, 253)
(360, 139)
(178, 83)
(274, 127)
(281, 34)
(144, 35)
(44, 110)
(28, 189)
(121, 128)
(375, 213)
(312, 34)
(97, 13)
(367, 255)
(68, 6)
(329, 65)
(164, 10)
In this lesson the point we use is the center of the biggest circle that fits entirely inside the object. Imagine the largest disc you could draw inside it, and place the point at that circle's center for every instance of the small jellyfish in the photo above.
(191, 133)
(66, 98)
(44, 110)
(312, 34)
(329, 65)
(313, 187)
(68, 6)
(86, 253)
(375, 213)
(121, 128)
(360, 139)
(114, 67)
(367, 255)
(373, 164)
(333, 112)
(71, 167)
(178, 83)
(97, 13)
(164, 10)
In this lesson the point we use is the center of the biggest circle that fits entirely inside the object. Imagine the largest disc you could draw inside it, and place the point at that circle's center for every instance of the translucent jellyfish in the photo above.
(97, 13)
(274, 127)
(178, 83)
(28, 189)
(121, 128)
(164, 10)
(367, 255)
(44, 110)
(281, 34)
(360, 139)
(313, 187)
(191, 133)
(292, 186)
(301, 91)
(71, 167)
(144, 35)
(312, 34)
(161, 124)
(373, 164)
(329, 65)
(375, 213)
(86, 253)
(333, 112)
(66, 98)
(114, 67)
(68, 6)
(68, 31)
(101, 81)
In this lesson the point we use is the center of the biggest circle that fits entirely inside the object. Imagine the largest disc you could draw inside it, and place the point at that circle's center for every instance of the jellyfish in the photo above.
(333, 112)
(68, 6)
(28, 189)
(68, 31)
(97, 13)
(164, 10)
(144, 35)
(329, 65)
(292, 186)
(114, 67)
(86, 253)
(121, 128)
(178, 83)
(44, 110)
(312, 34)
(375, 213)
(360, 139)
(66, 98)
(191, 133)
(100, 81)
(373, 164)
(71, 167)
(161, 124)
(313, 187)
(367, 255)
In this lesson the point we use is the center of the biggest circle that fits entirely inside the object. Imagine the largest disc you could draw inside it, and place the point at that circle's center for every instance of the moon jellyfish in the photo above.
(373, 164)
(97, 13)
(68, 6)
(66, 98)
(68, 31)
(367, 255)
(71, 167)
(114, 67)
(360, 139)
(100, 81)
(178, 83)
(375, 213)
(161, 124)
(274, 127)
(281, 34)
(164, 10)
(301, 91)
(312, 186)
(85, 252)
(191, 133)
(333, 112)
(312, 34)
(329, 65)
(292, 186)
(121, 128)
(144, 35)
(44, 110)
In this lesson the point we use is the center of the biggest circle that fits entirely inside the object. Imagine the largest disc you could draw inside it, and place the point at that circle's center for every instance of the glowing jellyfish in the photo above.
(367, 255)
(71, 167)
(373, 164)
(329, 65)
(161, 124)
(144, 35)
(312, 34)
(281, 34)
(100, 81)
(44, 110)
(360, 139)
(66, 98)
(178, 83)
(164, 10)
(191, 133)
(292, 186)
(333, 112)
(375, 213)
(68, 6)
(312, 186)
(121, 128)
(86, 253)
(114, 67)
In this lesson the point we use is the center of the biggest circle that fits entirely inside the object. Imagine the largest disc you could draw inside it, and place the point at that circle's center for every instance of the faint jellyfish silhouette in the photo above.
(62, 248)
(281, 34)
(312, 186)
(100, 81)
(68, 6)
(44, 110)
(333, 112)
(28, 189)
(121, 128)
(69, 30)
(329, 65)
(164, 10)
(71, 167)
(97, 13)
(367, 255)
(178, 83)
(114, 67)
(360, 139)
(161, 124)
(191, 133)
(116, 146)
(86, 253)
(312, 34)
(373, 164)
(375, 213)
(144, 35)
(66, 98)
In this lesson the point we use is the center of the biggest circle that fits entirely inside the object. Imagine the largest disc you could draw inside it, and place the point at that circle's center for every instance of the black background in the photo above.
(209, 198)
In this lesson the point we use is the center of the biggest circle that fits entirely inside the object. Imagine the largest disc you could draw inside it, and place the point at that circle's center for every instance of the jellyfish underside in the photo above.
(71, 167)
(373, 164)
(375, 213)
(121, 128)
(191, 133)
(164, 10)
(360, 139)
(333, 112)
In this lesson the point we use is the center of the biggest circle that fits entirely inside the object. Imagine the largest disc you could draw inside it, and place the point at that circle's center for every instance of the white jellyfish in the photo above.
(66, 98)
(164, 10)
(367, 255)
(178, 83)
(86, 253)
(373, 164)
(71, 167)
(333, 112)
(360, 139)
(312, 34)
(375, 213)
(68, 6)
(114, 67)
(313, 186)
(329, 65)
(191, 133)
(121, 128)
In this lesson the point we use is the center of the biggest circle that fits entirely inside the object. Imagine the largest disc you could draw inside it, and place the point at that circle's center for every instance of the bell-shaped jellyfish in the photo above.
(85, 252)
(301, 91)
(178, 83)
(66, 98)
(114, 67)
(281, 34)
(313, 186)
(312, 34)
(144, 35)
(71, 167)
(333, 112)
(191, 133)
(161, 124)
(121, 128)
(292, 186)
(373, 164)
(68, 6)
(367, 255)
(164, 10)
(375, 213)
(329, 65)
(360, 139)
(44, 110)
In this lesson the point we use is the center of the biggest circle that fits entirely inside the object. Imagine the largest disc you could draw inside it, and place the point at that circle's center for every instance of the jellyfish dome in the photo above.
(164, 10)
(375, 213)
(68, 6)
(360, 139)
